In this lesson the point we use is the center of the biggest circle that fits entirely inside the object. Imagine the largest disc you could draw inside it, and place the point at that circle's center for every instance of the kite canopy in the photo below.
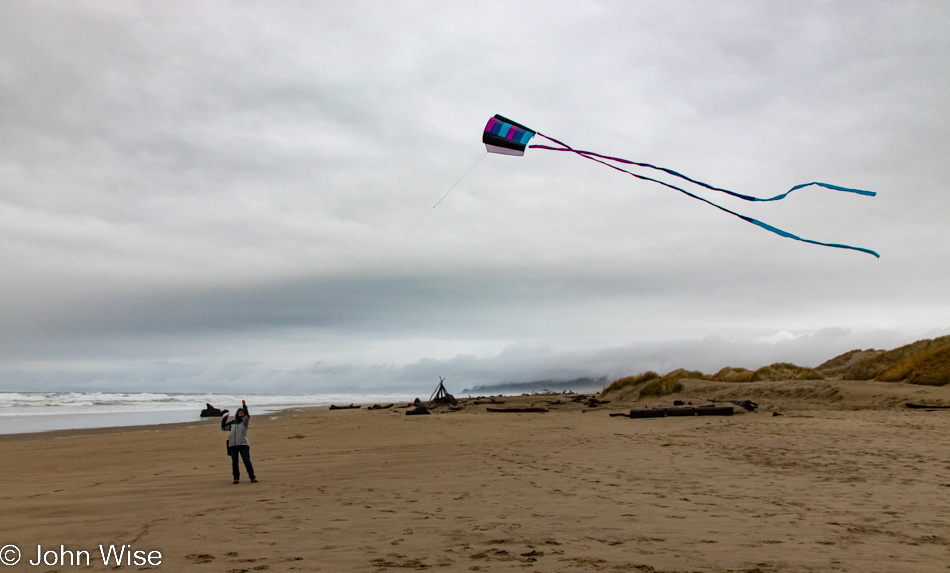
(506, 137)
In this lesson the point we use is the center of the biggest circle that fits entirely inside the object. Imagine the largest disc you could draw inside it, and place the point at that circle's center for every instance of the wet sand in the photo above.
(846, 480)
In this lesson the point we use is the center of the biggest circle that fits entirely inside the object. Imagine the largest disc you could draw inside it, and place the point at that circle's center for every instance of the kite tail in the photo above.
(777, 231)
(766, 226)
(700, 183)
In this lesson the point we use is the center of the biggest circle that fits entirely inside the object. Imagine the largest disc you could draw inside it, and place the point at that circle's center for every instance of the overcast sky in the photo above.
(237, 195)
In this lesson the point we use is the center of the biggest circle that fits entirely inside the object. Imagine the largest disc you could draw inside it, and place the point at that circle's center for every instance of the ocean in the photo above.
(22, 412)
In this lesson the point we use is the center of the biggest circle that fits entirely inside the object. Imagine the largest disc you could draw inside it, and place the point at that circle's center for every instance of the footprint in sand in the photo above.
(397, 561)
(200, 558)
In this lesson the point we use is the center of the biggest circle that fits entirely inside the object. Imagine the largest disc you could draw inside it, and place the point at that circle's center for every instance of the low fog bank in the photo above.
(515, 363)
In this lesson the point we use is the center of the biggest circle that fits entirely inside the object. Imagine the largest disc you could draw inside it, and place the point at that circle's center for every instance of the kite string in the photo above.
(756, 222)
(422, 219)
(463, 176)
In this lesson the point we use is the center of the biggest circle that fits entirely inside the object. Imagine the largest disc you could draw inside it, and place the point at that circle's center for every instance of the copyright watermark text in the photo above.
(110, 555)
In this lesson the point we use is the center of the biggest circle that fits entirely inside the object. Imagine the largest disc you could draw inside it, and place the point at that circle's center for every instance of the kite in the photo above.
(506, 137)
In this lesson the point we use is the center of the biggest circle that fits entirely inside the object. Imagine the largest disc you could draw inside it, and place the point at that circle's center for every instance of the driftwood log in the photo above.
(653, 413)
(539, 410)
(350, 407)
(681, 411)
(925, 407)
(212, 412)
(418, 411)
(673, 412)
(378, 407)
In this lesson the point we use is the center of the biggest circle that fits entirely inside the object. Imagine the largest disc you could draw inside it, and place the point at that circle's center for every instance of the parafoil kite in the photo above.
(507, 137)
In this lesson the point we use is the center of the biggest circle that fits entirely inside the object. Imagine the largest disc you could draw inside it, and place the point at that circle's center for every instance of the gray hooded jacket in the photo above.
(238, 429)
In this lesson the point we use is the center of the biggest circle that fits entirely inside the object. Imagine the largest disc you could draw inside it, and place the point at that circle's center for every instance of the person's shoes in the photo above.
(253, 480)
(237, 481)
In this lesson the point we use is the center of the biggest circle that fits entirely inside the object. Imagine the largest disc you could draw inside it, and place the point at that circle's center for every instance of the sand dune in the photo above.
(846, 480)
(868, 364)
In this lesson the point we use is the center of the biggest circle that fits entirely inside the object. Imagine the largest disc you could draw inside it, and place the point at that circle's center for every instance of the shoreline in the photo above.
(103, 430)
(97, 431)
(794, 394)
(59, 412)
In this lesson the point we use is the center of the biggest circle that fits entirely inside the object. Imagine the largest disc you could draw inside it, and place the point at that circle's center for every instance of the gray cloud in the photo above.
(178, 180)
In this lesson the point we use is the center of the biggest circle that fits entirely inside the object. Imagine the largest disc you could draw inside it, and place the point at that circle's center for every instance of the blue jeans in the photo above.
(245, 452)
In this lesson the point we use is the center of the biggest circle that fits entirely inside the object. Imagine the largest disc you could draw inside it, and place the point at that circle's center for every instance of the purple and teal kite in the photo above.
(507, 137)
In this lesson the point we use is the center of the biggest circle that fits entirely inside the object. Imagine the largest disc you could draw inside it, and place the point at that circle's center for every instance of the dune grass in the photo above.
(786, 371)
(931, 368)
(870, 364)
(684, 373)
(653, 384)
(670, 383)
(730, 374)
(629, 381)
(661, 387)
(777, 371)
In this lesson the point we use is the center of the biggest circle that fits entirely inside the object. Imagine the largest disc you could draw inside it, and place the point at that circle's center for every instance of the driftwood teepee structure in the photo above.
(441, 395)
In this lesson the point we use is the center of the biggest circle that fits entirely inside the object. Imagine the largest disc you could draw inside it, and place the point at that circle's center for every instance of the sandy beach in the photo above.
(846, 479)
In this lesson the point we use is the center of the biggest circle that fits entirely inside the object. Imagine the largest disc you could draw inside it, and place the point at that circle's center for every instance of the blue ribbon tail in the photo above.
(826, 186)
(788, 235)
(601, 159)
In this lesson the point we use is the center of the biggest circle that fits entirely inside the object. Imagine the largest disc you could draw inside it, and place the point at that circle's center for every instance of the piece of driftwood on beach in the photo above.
(680, 411)
(715, 411)
(925, 407)
(212, 412)
(652, 413)
(518, 410)
(350, 407)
